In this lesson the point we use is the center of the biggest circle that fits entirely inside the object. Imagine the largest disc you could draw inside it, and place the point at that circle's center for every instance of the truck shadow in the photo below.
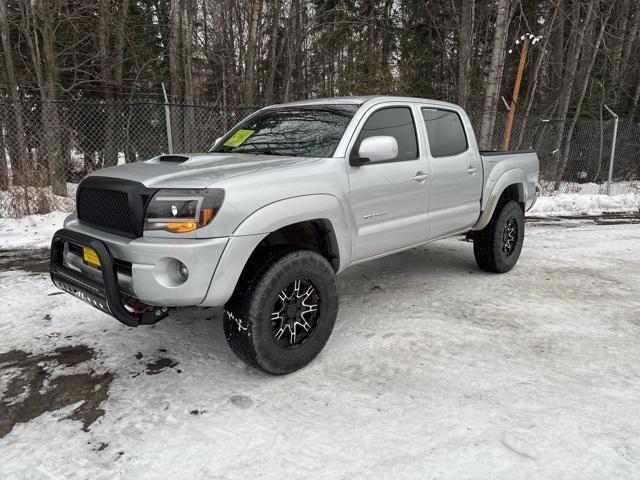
(447, 258)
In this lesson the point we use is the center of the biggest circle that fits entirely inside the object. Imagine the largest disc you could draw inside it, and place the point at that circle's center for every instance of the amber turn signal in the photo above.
(182, 211)
(206, 215)
(181, 227)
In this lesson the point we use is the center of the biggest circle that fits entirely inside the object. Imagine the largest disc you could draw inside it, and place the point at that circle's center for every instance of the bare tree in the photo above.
(494, 77)
(465, 29)
(15, 135)
(111, 24)
(39, 33)
(237, 52)
(291, 49)
(581, 94)
(273, 53)
(578, 30)
(250, 60)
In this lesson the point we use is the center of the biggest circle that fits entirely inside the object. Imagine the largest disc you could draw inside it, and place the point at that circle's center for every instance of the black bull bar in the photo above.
(106, 297)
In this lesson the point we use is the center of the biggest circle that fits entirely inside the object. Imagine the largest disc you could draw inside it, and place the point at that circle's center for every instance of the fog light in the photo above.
(182, 271)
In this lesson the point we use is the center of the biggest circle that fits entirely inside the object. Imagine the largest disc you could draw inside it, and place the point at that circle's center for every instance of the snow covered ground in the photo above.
(32, 231)
(434, 370)
(570, 204)
(35, 231)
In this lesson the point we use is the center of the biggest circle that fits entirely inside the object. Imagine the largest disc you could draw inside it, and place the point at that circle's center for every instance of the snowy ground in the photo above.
(570, 204)
(434, 370)
(35, 231)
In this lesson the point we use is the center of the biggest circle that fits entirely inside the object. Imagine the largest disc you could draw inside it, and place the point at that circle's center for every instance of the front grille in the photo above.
(106, 208)
(112, 204)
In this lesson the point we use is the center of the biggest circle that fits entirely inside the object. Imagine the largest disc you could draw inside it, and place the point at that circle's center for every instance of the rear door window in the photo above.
(445, 132)
(396, 122)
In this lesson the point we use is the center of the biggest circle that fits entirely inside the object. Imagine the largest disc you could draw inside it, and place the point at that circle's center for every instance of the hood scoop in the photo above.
(172, 158)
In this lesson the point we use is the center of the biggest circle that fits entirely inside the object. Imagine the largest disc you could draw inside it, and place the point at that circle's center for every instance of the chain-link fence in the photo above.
(46, 148)
(575, 157)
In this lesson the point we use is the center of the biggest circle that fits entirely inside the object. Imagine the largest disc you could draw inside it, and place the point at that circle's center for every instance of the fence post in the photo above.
(167, 118)
(613, 147)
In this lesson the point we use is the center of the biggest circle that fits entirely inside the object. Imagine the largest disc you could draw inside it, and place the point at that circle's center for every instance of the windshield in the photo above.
(309, 131)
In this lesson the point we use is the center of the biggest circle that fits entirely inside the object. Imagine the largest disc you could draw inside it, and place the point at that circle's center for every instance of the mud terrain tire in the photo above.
(281, 316)
(497, 247)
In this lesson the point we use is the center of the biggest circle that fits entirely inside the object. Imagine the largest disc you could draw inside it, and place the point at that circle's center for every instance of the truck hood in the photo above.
(198, 170)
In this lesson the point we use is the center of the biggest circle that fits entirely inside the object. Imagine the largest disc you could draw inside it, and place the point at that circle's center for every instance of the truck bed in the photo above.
(496, 163)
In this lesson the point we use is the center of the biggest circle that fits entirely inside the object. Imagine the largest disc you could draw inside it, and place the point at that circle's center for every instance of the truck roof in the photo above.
(360, 100)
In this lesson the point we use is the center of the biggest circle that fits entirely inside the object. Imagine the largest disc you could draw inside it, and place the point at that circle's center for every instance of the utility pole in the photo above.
(167, 119)
(516, 93)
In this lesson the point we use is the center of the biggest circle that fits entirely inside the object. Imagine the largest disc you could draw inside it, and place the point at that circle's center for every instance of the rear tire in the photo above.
(497, 247)
(282, 315)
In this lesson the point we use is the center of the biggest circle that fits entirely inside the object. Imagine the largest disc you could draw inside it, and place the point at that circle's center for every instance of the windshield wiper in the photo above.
(263, 152)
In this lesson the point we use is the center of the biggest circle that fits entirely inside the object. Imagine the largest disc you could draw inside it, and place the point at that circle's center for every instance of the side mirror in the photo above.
(375, 149)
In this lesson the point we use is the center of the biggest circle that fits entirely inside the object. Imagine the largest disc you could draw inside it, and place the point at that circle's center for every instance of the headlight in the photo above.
(182, 211)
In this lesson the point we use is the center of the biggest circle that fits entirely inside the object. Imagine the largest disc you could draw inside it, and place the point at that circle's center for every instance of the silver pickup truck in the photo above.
(288, 198)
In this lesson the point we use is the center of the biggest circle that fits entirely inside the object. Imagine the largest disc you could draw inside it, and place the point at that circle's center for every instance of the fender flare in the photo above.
(292, 210)
(253, 229)
(512, 177)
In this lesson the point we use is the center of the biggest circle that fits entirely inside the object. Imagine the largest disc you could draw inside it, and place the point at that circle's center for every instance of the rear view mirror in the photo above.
(376, 149)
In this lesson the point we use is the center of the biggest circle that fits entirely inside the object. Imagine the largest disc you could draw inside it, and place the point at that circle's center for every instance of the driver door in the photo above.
(390, 199)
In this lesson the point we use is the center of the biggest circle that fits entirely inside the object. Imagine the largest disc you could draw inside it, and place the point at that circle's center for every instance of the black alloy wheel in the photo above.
(295, 313)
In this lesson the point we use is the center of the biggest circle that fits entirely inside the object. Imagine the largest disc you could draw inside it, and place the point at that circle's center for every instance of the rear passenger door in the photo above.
(456, 173)
(389, 199)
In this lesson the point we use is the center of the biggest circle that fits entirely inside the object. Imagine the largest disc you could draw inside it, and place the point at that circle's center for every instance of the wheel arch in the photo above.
(312, 222)
(511, 185)
(323, 211)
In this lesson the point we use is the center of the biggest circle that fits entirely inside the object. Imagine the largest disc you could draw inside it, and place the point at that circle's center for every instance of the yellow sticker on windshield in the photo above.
(238, 138)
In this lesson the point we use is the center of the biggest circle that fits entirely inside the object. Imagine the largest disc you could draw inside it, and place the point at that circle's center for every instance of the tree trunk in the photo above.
(174, 73)
(273, 59)
(619, 28)
(174, 50)
(294, 13)
(556, 57)
(636, 101)
(494, 79)
(4, 170)
(14, 125)
(39, 35)
(581, 94)
(630, 39)
(189, 143)
(51, 117)
(117, 77)
(250, 59)
(465, 34)
(569, 79)
(110, 150)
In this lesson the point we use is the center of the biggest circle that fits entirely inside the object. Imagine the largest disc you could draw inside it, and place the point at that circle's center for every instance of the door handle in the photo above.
(471, 170)
(421, 177)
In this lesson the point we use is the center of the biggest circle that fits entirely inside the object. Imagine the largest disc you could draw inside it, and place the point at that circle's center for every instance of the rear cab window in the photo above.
(396, 122)
(445, 132)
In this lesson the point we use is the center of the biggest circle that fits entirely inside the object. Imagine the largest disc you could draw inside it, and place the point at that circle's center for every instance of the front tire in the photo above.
(497, 247)
(280, 318)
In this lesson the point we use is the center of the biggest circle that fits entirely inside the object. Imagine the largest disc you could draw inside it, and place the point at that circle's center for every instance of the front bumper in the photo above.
(105, 296)
(150, 259)
(140, 270)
